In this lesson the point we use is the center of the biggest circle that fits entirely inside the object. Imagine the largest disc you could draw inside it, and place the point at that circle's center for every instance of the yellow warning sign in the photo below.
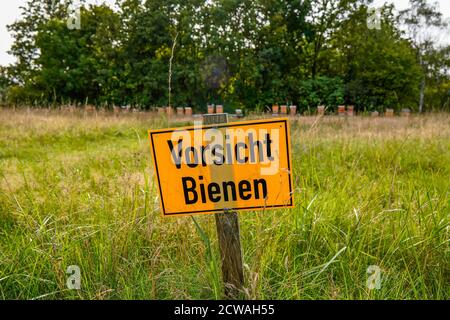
(232, 166)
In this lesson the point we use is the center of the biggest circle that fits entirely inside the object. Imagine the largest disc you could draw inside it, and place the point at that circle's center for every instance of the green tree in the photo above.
(79, 65)
(422, 19)
(247, 54)
(24, 31)
(437, 93)
(377, 65)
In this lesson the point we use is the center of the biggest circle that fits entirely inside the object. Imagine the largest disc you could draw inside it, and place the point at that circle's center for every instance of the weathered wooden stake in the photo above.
(227, 224)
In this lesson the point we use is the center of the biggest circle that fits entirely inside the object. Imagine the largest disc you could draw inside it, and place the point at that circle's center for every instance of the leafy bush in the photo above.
(321, 91)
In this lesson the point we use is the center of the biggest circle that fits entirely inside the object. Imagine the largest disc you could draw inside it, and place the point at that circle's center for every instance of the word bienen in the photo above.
(227, 191)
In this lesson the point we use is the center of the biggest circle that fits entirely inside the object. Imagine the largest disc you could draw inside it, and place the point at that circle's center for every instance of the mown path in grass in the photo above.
(80, 191)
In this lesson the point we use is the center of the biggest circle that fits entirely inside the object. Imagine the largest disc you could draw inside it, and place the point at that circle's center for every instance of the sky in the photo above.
(10, 12)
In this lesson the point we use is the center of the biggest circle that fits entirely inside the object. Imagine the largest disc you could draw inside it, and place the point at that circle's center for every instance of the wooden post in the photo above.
(227, 224)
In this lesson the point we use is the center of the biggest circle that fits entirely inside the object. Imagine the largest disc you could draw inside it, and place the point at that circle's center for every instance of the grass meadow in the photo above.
(79, 190)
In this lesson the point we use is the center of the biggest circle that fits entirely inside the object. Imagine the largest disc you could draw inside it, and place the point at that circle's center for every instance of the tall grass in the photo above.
(79, 190)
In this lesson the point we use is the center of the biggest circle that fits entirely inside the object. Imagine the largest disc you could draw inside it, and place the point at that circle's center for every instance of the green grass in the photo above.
(80, 191)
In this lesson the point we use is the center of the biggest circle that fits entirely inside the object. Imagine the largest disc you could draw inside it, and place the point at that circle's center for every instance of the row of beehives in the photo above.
(187, 111)
(350, 111)
(218, 108)
(342, 111)
(390, 113)
(179, 111)
(125, 109)
(91, 109)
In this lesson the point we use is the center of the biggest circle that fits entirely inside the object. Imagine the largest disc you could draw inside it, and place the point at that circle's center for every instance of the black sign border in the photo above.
(234, 124)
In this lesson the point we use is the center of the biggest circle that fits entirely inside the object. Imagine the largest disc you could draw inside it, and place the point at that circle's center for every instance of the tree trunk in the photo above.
(422, 84)
(422, 95)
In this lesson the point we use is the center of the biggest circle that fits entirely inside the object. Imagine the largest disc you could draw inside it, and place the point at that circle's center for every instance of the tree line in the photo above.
(246, 54)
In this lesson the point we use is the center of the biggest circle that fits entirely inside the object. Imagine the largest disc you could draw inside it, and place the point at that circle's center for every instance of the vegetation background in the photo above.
(248, 54)
(77, 190)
